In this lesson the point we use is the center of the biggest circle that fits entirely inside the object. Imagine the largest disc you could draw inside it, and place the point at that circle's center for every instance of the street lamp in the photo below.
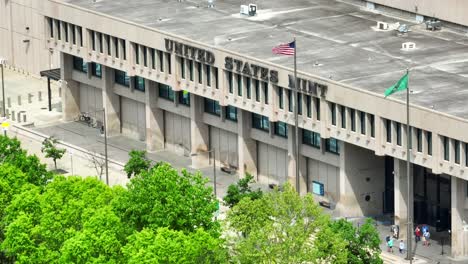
(2, 62)
(214, 166)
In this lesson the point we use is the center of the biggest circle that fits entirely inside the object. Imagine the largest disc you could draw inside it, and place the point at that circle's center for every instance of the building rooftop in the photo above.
(334, 40)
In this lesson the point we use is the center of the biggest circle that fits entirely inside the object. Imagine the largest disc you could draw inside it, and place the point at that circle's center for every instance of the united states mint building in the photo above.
(190, 76)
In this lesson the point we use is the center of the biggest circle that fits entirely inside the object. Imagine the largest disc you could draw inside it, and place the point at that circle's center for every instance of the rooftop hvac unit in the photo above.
(382, 25)
(244, 10)
(248, 10)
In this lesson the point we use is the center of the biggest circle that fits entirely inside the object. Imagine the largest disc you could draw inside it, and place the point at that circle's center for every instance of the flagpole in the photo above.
(409, 253)
(296, 118)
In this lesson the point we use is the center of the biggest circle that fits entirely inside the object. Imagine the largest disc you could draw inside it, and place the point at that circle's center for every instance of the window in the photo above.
(352, 114)
(80, 34)
(332, 145)
(231, 84)
(109, 45)
(239, 85)
(466, 155)
(216, 77)
(161, 61)
(122, 78)
(333, 113)
(153, 59)
(137, 53)
(80, 65)
(145, 57)
(260, 122)
(446, 148)
(124, 48)
(65, 27)
(311, 138)
(290, 101)
(388, 127)
(343, 116)
(372, 125)
(50, 21)
(299, 103)
(208, 75)
(309, 106)
(456, 145)
(429, 142)
(59, 30)
(169, 63)
(231, 113)
(200, 73)
(398, 134)
(419, 139)
(116, 45)
(317, 107)
(249, 89)
(184, 98)
(257, 90)
(363, 122)
(182, 67)
(73, 34)
(212, 107)
(281, 129)
(101, 46)
(191, 70)
(96, 69)
(281, 101)
(139, 83)
(265, 91)
(166, 92)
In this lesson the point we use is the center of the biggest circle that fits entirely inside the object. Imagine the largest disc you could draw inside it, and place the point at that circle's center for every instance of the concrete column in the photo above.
(459, 234)
(110, 102)
(154, 119)
(199, 132)
(401, 195)
(380, 137)
(325, 120)
(292, 159)
(361, 182)
(274, 101)
(55, 28)
(247, 146)
(437, 153)
(348, 119)
(70, 88)
(463, 156)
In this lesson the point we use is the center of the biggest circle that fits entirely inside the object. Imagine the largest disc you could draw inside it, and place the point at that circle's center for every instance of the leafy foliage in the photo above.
(363, 243)
(282, 227)
(170, 246)
(242, 189)
(163, 197)
(49, 147)
(137, 163)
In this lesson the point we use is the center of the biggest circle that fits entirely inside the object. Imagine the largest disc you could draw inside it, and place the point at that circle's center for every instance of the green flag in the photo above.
(401, 85)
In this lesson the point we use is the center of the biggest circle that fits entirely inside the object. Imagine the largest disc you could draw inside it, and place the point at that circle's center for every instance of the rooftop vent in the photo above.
(248, 10)
(433, 24)
(408, 46)
(382, 25)
(211, 3)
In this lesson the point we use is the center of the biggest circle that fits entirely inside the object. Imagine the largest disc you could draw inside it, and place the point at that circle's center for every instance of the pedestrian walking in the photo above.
(427, 236)
(402, 246)
(417, 234)
(390, 245)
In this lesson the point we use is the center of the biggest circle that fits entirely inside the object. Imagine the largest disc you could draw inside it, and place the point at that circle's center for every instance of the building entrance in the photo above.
(432, 199)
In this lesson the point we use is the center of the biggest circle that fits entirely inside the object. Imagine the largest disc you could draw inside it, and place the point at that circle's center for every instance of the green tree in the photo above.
(170, 246)
(282, 227)
(12, 153)
(137, 163)
(241, 189)
(164, 197)
(49, 147)
(363, 243)
(71, 221)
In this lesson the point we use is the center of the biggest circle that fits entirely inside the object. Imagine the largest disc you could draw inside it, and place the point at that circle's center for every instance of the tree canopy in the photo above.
(137, 163)
(240, 190)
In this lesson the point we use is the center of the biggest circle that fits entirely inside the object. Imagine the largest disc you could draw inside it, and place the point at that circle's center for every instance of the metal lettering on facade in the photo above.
(308, 86)
(191, 52)
(251, 70)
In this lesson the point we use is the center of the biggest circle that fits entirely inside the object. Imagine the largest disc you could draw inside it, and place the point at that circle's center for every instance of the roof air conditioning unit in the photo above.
(244, 10)
(382, 25)
(252, 9)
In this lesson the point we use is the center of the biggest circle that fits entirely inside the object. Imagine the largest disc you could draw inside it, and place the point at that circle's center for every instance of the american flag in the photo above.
(285, 49)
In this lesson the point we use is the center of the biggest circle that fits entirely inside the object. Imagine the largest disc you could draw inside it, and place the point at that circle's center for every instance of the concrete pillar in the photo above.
(325, 118)
(246, 145)
(292, 159)
(110, 102)
(401, 199)
(199, 132)
(361, 182)
(437, 153)
(71, 89)
(459, 235)
(154, 119)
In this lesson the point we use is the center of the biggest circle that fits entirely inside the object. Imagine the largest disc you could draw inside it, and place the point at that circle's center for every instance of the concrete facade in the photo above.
(192, 82)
